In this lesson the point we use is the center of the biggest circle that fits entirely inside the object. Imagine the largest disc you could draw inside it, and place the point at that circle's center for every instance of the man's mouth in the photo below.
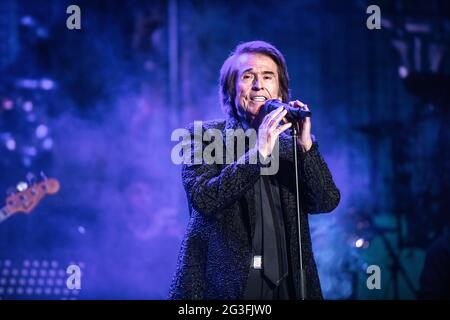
(258, 98)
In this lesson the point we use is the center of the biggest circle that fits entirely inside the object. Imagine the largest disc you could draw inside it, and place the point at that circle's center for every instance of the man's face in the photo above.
(257, 81)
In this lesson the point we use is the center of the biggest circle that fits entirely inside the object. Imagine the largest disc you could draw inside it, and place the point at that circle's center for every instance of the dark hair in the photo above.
(228, 73)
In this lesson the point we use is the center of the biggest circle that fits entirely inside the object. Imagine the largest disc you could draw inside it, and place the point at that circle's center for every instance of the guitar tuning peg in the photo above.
(43, 175)
(31, 178)
(22, 186)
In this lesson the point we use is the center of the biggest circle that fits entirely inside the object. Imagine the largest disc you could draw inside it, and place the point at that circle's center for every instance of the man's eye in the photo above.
(268, 77)
(246, 76)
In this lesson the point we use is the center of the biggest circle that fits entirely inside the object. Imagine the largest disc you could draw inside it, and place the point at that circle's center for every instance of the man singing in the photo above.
(242, 238)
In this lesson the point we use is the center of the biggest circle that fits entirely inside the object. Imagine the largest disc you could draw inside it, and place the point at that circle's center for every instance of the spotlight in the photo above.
(359, 243)
(27, 21)
(8, 104)
(47, 144)
(27, 106)
(41, 131)
(10, 144)
(47, 84)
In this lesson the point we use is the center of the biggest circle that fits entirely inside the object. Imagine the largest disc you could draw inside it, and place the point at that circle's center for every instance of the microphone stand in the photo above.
(302, 293)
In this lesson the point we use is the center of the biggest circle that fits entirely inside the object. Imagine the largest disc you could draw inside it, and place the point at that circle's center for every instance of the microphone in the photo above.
(293, 114)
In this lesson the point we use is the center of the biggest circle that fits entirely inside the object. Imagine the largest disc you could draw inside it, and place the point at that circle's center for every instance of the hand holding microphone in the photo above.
(293, 113)
(298, 114)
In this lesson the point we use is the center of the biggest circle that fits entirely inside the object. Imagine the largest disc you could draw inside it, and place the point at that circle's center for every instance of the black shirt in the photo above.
(269, 227)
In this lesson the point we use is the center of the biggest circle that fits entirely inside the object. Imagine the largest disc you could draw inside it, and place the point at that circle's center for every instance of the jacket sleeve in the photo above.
(319, 192)
(211, 187)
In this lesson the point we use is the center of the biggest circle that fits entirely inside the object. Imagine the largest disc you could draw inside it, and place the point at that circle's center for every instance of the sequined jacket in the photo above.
(216, 253)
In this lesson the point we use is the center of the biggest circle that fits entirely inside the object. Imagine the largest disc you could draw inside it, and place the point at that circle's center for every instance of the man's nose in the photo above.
(257, 84)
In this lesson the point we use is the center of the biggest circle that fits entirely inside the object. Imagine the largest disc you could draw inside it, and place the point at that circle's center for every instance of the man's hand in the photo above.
(304, 140)
(269, 130)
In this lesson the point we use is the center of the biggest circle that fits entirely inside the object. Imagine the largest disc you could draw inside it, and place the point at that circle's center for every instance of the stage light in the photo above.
(30, 151)
(10, 144)
(42, 32)
(359, 243)
(27, 21)
(31, 117)
(403, 72)
(38, 281)
(8, 104)
(27, 106)
(41, 131)
(47, 144)
(81, 229)
(28, 83)
(47, 84)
